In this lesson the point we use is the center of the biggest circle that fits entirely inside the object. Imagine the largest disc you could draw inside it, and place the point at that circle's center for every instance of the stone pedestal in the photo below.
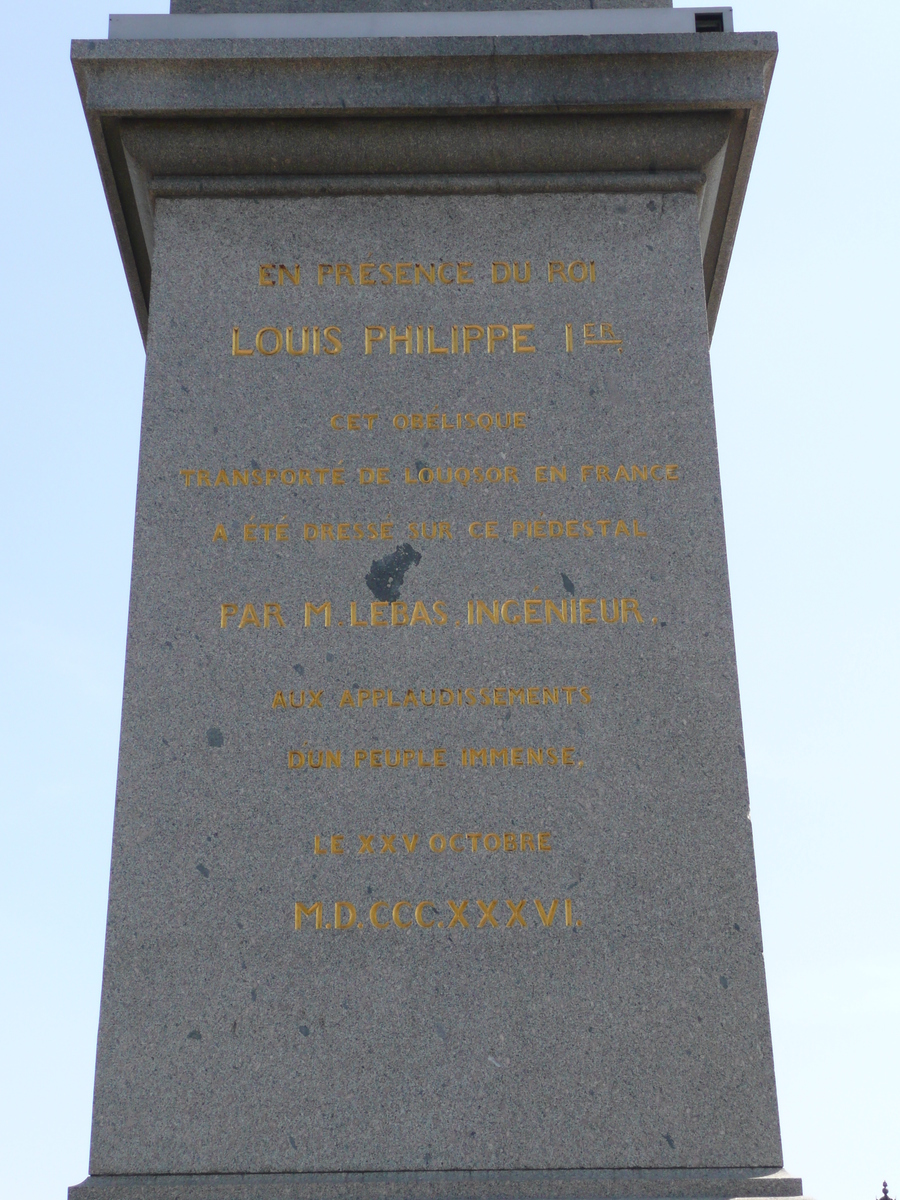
(432, 869)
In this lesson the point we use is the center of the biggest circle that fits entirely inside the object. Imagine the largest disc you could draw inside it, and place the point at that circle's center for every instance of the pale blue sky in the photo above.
(805, 373)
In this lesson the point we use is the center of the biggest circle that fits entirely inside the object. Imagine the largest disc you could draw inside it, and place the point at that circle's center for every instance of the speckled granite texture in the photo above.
(432, 868)
(283, 6)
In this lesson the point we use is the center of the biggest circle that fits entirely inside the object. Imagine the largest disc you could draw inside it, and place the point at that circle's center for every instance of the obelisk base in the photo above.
(685, 1184)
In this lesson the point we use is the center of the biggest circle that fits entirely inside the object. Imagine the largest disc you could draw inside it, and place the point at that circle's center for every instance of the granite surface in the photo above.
(128, 85)
(498, 23)
(432, 866)
(305, 6)
(231, 1041)
(634, 1184)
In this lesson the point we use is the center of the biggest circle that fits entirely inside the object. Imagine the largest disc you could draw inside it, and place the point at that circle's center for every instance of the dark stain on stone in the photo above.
(204, 871)
(567, 583)
(215, 737)
(304, 1029)
(298, 667)
(195, 1035)
(386, 576)
(670, 1140)
(329, 658)
(741, 750)
(291, 1140)
(441, 1031)
(723, 979)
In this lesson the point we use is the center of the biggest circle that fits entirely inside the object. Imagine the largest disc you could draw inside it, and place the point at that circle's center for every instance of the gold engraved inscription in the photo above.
(459, 421)
(448, 697)
(511, 841)
(418, 758)
(385, 614)
(426, 914)
(336, 476)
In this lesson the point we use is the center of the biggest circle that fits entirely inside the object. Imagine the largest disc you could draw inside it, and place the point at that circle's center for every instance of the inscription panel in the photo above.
(431, 706)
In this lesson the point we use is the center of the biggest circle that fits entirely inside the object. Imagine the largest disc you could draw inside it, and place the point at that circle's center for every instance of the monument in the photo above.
(432, 871)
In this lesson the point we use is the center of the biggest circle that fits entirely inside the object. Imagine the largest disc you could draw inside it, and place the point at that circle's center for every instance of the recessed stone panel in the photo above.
(432, 846)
